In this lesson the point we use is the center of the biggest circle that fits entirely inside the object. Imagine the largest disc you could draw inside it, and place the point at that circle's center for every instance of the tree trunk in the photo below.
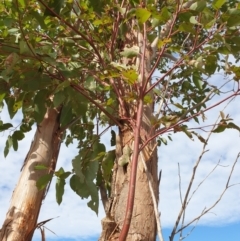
(143, 224)
(21, 218)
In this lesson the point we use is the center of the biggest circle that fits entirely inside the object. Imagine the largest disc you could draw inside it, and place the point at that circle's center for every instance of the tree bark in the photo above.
(143, 224)
(21, 218)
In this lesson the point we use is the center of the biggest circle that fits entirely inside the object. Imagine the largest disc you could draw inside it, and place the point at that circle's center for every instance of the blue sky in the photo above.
(200, 233)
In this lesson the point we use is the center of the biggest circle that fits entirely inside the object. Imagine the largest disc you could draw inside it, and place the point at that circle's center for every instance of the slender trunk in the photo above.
(143, 224)
(21, 218)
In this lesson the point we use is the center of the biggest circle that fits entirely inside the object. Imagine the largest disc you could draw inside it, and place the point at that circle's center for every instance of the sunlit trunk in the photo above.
(21, 218)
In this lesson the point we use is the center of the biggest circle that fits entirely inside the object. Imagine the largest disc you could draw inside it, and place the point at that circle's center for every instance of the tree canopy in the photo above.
(71, 54)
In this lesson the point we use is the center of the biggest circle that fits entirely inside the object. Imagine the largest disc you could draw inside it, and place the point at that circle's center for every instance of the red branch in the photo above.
(133, 175)
(137, 128)
(165, 129)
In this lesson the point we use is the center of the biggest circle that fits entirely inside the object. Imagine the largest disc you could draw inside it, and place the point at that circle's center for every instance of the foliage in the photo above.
(70, 53)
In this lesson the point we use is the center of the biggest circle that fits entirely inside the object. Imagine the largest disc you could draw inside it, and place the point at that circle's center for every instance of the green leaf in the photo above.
(38, 16)
(130, 76)
(217, 4)
(60, 189)
(2, 95)
(66, 115)
(62, 86)
(25, 127)
(65, 175)
(193, 20)
(184, 129)
(142, 15)
(39, 105)
(113, 138)
(221, 127)
(17, 105)
(75, 183)
(55, 6)
(211, 64)
(233, 126)
(8, 145)
(5, 126)
(234, 18)
(94, 202)
(222, 114)
(186, 27)
(77, 166)
(18, 135)
(40, 167)
(198, 6)
(197, 80)
(15, 143)
(62, 174)
(6, 150)
(155, 22)
(58, 98)
(43, 181)
(91, 170)
(130, 52)
(164, 14)
(163, 140)
(200, 138)
(59, 172)
(97, 6)
(83, 189)
(24, 48)
(98, 150)
(107, 165)
(10, 103)
(22, 3)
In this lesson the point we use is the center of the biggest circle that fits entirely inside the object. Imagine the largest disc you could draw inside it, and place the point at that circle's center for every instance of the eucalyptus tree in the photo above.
(93, 64)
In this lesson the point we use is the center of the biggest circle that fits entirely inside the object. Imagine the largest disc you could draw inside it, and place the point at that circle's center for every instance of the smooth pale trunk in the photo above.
(21, 218)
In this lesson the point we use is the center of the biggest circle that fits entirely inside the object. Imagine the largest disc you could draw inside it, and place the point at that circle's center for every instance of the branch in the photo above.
(74, 29)
(165, 129)
(164, 95)
(197, 105)
(137, 137)
(185, 203)
(220, 197)
(77, 88)
(133, 174)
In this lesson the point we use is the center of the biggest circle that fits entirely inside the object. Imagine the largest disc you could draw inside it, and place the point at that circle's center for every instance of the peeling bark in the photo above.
(21, 218)
(143, 225)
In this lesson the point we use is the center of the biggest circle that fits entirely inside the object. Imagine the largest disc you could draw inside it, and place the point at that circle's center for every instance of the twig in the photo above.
(164, 95)
(180, 190)
(218, 200)
(184, 204)
(180, 194)
(203, 181)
